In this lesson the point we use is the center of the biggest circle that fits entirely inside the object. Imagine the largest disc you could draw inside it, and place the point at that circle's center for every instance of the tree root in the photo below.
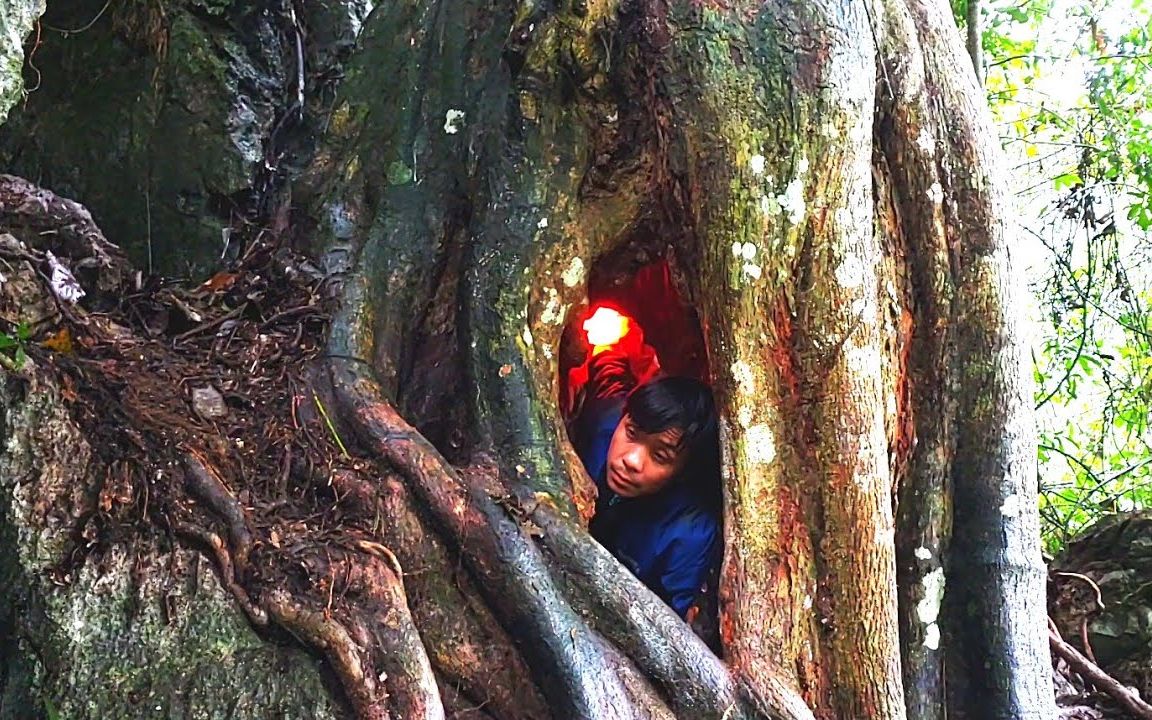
(696, 682)
(377, 630)
(571, 664)
(1091, 672)
(373, 599)
(205, 485)
(316, 629)
(206, 538)
(467, 646)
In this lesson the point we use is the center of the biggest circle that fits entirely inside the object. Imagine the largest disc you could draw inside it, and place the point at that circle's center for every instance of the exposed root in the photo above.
(318, 630)
(207, 487)
(1127, 699)
(468, 649)
(210, 540)
(694, 680)
(373, 603)
(570, 663)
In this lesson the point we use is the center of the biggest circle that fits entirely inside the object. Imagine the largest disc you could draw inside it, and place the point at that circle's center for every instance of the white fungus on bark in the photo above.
(925, 141)
(792, 201)
(760, 444)
(936, 193)
(742, 374)
(573, 275)
(1012, 506)
(453, 121)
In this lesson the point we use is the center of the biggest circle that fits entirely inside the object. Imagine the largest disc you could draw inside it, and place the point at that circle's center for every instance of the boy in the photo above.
(653, 451)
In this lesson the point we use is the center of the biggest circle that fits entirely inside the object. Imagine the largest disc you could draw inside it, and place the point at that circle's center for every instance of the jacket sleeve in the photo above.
(609, 382)
(599, 421)
(688, 558)
(610, 375)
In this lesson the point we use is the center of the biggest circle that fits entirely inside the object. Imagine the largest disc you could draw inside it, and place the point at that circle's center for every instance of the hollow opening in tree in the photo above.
(655, 456)
(644, 290)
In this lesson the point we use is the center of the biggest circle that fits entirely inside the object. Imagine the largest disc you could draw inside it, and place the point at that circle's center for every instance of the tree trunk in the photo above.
(403, 499)
(975, 38)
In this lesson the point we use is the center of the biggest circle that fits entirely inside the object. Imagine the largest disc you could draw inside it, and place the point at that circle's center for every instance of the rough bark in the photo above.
(16, 21)
(820, 180)
(974, 38)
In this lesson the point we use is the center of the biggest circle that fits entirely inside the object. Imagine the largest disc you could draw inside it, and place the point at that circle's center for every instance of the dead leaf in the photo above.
(68, 389)
(63, 283)
(220, 281)
(60, 341)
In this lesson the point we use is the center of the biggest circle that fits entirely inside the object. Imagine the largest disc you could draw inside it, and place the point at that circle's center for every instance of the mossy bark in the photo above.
(16, 22)
(147, 632)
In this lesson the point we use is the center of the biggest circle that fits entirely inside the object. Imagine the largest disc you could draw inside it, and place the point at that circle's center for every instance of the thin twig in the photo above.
(208, 326)
(1090, 581)
(66, 32)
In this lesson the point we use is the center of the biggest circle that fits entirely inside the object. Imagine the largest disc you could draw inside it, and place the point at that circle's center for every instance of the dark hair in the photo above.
(684, 404)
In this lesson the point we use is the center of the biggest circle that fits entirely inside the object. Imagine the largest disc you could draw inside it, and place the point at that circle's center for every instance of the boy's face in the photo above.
(640, 463)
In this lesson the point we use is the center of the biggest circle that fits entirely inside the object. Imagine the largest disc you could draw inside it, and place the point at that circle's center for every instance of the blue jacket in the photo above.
(670, 540)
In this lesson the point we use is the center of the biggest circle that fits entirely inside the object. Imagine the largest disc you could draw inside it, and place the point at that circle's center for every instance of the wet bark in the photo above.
(819, 178)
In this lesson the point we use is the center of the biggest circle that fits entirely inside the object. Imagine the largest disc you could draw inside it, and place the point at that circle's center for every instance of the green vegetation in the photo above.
(1070, 84)
(12, 344)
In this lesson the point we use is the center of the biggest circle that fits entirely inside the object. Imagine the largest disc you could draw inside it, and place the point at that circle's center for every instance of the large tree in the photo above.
(822, 180)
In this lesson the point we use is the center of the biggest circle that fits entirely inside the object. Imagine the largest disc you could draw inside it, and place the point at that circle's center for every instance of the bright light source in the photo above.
(605, 327)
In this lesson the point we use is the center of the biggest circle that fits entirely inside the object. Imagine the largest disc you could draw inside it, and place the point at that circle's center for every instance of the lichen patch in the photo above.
(453, 121)
(573, 275)
(760, 444)
(792, 201)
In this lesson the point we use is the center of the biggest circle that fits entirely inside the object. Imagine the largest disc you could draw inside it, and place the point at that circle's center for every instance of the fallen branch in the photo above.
(1104, 682)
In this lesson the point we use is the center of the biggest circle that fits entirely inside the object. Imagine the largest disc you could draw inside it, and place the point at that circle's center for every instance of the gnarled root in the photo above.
(521, 585)
(569, 660)
(316, 629)
(696, 682)
(468, 649)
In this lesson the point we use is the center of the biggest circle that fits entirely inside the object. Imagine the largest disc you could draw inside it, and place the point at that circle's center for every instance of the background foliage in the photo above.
(1070, 84)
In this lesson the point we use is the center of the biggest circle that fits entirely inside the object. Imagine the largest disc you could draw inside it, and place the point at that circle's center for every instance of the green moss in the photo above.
(150, 635)
(158, 148)
(16, 22)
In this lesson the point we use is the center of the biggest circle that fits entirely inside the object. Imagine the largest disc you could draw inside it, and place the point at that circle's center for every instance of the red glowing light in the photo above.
(605, 327)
